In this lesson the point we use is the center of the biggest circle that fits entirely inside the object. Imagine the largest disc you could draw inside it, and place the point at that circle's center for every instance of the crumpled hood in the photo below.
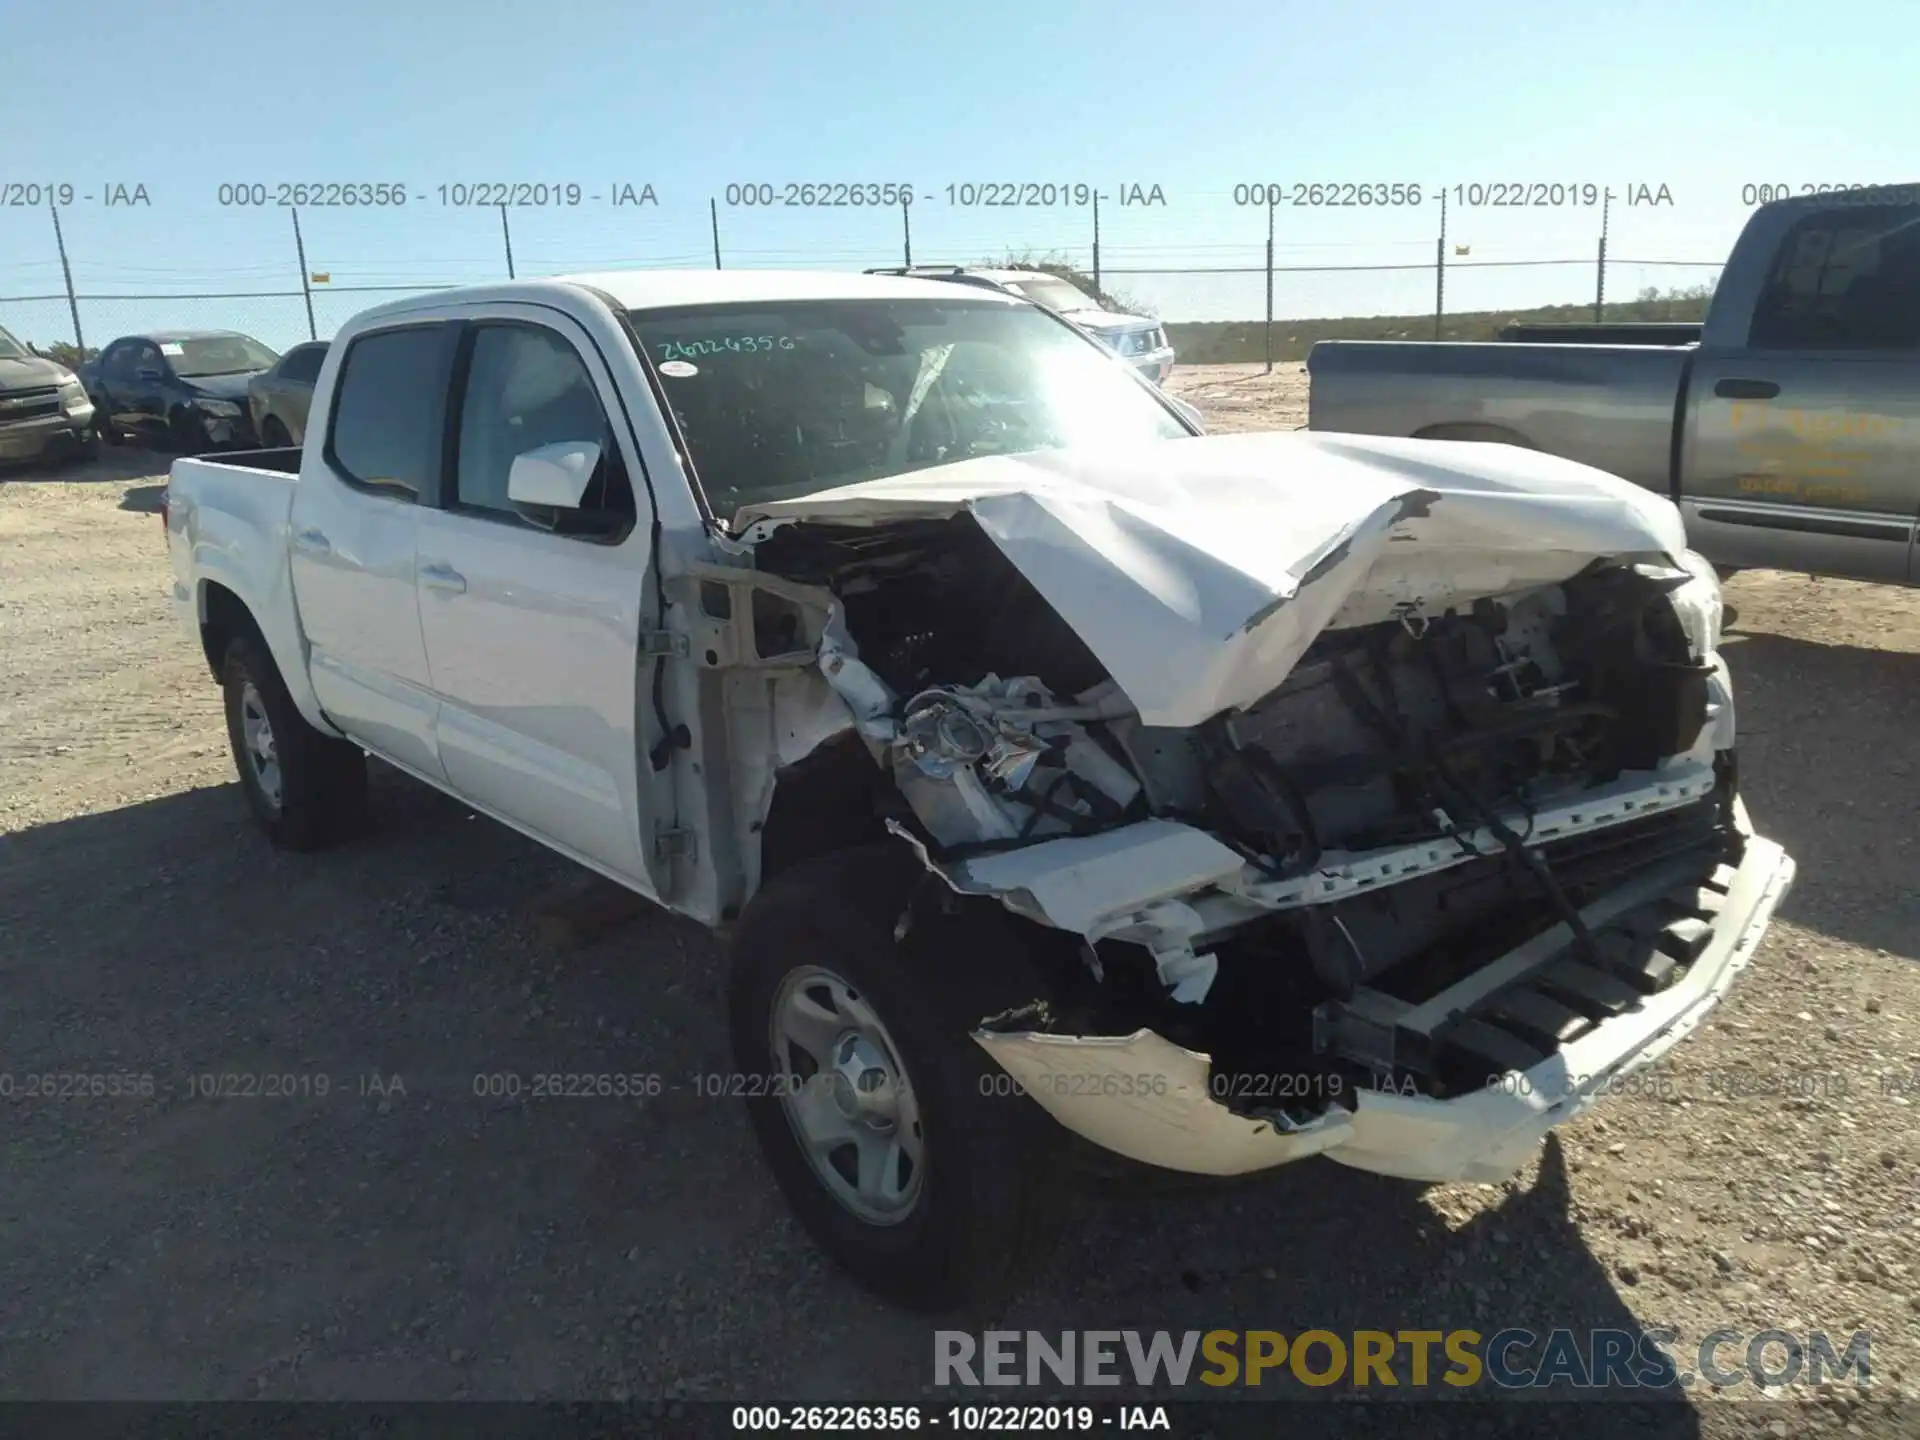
(1198, 570)
(220, 387)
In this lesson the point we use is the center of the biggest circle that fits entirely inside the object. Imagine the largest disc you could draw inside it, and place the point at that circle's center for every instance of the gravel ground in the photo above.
(402, 1238)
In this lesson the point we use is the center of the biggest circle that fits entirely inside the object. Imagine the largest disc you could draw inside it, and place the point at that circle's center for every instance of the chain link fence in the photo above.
(1279, 305)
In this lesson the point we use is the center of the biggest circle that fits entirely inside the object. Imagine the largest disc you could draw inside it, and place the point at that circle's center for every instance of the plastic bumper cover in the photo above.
(1142, 1096)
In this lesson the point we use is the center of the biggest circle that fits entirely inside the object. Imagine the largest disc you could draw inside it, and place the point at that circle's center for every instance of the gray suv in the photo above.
(43, 406)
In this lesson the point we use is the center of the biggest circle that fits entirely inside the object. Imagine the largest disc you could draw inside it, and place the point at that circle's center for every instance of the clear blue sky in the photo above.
(1193, 97)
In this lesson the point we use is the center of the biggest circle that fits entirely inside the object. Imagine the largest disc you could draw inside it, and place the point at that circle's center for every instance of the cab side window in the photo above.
(1845, 279)
(389, 411)
(527, 387)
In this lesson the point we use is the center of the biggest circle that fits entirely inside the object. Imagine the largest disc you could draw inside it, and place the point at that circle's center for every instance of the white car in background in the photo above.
(1138, 339)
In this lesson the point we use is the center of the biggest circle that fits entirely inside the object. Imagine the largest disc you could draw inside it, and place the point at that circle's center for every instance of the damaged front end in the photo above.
(1389, 805)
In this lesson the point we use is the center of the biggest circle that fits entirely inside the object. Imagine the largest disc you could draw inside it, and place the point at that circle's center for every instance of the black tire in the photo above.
(321, 782)
(991, 1195)
(189, 433)
(104, 427)
(273, 434)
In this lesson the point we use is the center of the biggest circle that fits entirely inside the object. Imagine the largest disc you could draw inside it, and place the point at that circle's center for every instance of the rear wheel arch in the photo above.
(224, 618)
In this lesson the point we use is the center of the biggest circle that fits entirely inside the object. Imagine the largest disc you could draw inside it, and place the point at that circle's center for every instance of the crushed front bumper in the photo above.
(63, 433)
(1151, 1100)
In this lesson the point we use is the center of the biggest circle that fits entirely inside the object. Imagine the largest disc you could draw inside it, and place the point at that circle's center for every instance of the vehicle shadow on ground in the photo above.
(113, 465)
(1828, 768)
(144, 499)
(452, 1242)
(1319, 1246)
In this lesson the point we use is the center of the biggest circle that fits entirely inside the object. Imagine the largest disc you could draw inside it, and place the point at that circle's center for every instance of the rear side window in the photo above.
(389, 410)
(303, 363)
(1845, 279)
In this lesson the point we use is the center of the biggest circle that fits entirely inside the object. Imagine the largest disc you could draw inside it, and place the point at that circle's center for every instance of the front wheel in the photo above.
(889, 1130)
(305, 788)
(189, 433)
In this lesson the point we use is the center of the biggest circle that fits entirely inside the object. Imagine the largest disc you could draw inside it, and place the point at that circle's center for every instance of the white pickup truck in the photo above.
(1225, 800)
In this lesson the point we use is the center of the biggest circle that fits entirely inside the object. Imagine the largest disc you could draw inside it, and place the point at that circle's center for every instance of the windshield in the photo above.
(796, 397)
(12, 349)
(216, 355)
(1055, 293)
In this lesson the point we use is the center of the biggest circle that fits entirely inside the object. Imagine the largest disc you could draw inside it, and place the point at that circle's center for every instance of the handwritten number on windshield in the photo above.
(739, 344)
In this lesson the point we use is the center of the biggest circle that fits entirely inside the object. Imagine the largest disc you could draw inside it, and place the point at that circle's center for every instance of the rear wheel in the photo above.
(888, 1129)
(305, 788)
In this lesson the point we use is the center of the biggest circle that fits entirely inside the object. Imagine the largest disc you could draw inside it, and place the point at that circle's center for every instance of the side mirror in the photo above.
(1188, 413)
(554, 475)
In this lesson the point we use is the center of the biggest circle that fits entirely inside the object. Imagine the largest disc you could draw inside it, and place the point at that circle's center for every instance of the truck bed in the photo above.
(227, 528)
(1610, 406)
(1608, 333)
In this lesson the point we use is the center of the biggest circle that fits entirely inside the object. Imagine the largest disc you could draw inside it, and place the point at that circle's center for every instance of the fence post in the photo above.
(1440, 268)
(306, 285)
(1600, 281)
(507, 236)
(1097, 290)
(713, 212)
(1269, 280)
(73, 303)
(906, 229)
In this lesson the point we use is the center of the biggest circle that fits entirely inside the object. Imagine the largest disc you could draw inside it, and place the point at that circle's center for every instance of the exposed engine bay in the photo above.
(1444, 746)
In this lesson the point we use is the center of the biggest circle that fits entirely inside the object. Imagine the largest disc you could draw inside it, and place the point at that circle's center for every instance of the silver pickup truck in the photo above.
(1784, 427)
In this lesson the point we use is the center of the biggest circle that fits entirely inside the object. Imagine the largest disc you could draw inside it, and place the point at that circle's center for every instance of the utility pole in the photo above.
(73, 304)
(1269, 280)
(1600, 282)
(1096, 245)
(713, 212)
(906, 229)
(507, 236)
(306, 280)
(1440, 267)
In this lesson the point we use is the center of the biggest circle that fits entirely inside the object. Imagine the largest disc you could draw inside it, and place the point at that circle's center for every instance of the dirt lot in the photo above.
(403, 1238)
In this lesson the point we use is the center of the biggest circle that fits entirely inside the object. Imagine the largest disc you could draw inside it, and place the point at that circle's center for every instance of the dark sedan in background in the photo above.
(43, 406)
(278, 399)
(186, 388)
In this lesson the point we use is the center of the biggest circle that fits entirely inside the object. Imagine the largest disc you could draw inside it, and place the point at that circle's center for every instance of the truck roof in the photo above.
(661, 289)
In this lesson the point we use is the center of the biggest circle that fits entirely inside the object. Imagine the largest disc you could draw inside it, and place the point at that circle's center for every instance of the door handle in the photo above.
(312, 542)
(1733, 389)
(443, 578)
